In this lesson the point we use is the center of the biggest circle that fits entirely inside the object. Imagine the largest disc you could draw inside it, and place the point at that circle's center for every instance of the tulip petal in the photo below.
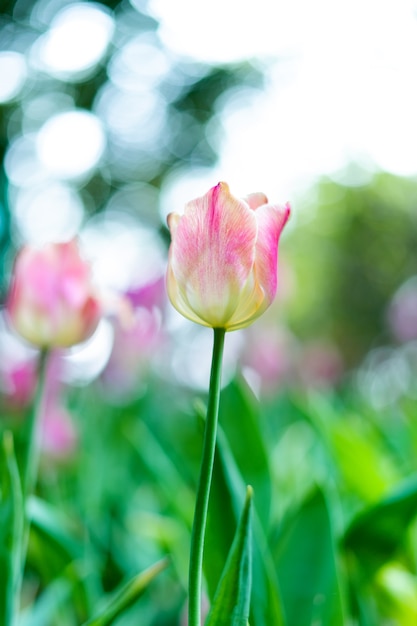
(271, 220)
(257, 199)
(212, 254)
(179, 299)
(260, 291)
(251, 305)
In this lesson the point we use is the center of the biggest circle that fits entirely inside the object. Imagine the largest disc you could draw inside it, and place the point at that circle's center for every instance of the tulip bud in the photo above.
(222, 268)
(51, 302)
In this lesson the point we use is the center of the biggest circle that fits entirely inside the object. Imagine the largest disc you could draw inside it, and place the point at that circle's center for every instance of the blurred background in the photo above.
(113, 114)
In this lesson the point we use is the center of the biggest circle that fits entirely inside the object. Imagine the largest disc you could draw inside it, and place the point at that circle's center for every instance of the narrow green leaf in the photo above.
(57, 550)
(379, 531)
(126, 595)
(56, 529)
(56, 595)
(232, 599)
(11, 531)
(227, 493)
(164, 471)
(306, 566)
(221, 523)
(354, 446)
(240, 420)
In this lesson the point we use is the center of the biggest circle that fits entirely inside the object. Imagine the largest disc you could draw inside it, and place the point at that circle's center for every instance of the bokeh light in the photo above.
(49, 212)
(145, 112)
(70, 144)
(76, 40)
(13, 74)
(124, 254)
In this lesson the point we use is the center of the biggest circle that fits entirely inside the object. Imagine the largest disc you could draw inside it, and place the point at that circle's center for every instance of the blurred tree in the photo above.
(186, 96)
(351, 250)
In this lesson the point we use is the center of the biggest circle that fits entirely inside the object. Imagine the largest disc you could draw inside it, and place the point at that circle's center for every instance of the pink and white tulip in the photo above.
(51, 302)
(222, 268)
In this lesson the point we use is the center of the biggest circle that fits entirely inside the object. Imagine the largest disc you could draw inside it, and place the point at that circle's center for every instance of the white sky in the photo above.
(342, 88)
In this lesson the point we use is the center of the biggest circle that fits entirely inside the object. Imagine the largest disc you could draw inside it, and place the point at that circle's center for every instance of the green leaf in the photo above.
(232, 599)
(378, 532)
(126, 595)
(56, 528)
(306, 566)
(11, 531)
(240, 420)
(354, 446)
(227, 492)
(57, 550)
(46, 607)
(164, 471)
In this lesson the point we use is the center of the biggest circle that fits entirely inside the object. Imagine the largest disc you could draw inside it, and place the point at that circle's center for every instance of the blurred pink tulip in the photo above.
(51, 302)
(138, 334)
(17, 382)
(222, 268)
(402, 312)
(320, 364)
(269, 353)
(134, 346)
(57, 433)
(150, 295)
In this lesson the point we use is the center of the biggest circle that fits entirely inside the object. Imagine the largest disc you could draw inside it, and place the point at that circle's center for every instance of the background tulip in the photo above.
(51, 302)
(222, 269)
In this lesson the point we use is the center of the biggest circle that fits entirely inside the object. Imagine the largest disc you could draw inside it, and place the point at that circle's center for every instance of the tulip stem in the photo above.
(29, 469)
(31, 457)
(203, 490)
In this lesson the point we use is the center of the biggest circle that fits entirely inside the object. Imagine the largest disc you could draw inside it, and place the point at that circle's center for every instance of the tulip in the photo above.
(51, 302)
(134, 347)
(222, 273)
(222, 268)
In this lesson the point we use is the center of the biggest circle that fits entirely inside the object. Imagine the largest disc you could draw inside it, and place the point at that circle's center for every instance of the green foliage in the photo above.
(333, 525)
(231, 601)
(306, 561)
(11, 530)
(239, 418)
(352, 248)
(228, 489)
(47, 607)
(126, 596)
(379, 532)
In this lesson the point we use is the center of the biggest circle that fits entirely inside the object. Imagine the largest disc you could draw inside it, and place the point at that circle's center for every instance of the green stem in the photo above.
(203, 490)
(31, 458)
(29, 471)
